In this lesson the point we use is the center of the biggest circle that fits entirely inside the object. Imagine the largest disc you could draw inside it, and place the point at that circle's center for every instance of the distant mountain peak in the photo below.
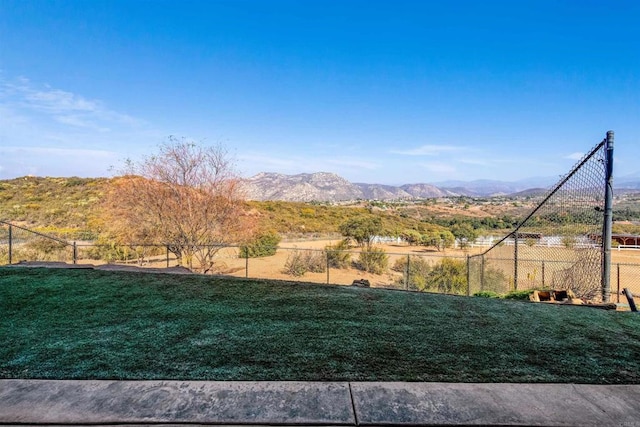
(327, 186)
(303, 187)
(330, 187)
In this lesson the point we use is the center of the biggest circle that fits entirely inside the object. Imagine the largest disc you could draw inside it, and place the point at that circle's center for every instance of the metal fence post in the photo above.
(167, 256)
(515, 264)
(543, 274)
(468, 276)
(608, 209)
(75, 253)
(10, 244)
(618, 280)
(327, 256)
(482, 273)
(406, 273)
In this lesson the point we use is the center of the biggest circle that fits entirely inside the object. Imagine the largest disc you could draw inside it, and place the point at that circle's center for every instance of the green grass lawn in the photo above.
(87, 324)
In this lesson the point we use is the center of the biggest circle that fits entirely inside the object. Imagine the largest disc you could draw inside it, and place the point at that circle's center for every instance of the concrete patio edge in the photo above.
(71, 402)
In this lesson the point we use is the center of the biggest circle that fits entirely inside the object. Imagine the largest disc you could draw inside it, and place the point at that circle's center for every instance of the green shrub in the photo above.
(45, 246)
(495, 280)
(4, 254)
(486, 294)
(337, 255)
(109, 251)
(265, 244)
(569, 241)
(449, 276)
(400, 265)
(362, 229)
(417, 272)
(315, 260)
(295, 265)
(373, 260)
(412, 237)
(300, 262)
(515, 295)
(518, 295)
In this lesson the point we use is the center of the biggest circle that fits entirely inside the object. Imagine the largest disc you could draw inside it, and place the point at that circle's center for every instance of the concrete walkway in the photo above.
(34, 402)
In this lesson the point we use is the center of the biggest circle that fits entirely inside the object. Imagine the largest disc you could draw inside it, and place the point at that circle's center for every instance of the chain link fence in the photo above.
(437, 272)
(21, 244)
(566, 229)
(414, 271)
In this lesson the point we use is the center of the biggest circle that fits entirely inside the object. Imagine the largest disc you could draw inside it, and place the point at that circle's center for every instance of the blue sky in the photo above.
(388, 92)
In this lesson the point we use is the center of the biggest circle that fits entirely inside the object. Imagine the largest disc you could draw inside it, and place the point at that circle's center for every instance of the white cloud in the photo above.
(67, 152)
(62, 106)
(575, 156)
(58, 101)
(79, 121)
(429, 150)
(54, 132)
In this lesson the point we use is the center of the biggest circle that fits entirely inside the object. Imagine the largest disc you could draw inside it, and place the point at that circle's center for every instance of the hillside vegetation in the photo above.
(70, 208)
(65, 207)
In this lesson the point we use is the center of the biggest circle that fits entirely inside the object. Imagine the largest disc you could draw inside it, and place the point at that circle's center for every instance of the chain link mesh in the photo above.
(565, 229)
(21, 244)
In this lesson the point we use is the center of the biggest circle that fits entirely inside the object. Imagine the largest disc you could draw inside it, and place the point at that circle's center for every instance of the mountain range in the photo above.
(329, 187)
(627, 182)
(324, 186)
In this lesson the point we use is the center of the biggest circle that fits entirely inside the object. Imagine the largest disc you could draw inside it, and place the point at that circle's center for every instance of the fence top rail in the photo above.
(626, 264)
(37, 233)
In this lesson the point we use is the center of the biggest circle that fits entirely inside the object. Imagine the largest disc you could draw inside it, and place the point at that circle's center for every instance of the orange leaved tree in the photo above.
(186, 197)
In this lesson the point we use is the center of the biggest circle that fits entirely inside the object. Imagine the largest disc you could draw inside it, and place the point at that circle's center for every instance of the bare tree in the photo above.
(186, 197)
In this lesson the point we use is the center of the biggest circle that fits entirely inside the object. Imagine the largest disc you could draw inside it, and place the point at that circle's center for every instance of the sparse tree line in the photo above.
(188, 199)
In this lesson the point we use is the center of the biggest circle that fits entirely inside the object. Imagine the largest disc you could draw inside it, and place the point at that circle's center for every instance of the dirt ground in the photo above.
(272, 267)
(625, 264)
(228, 263)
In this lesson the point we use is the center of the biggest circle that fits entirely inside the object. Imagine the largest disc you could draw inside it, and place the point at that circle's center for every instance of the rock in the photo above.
(364, 283)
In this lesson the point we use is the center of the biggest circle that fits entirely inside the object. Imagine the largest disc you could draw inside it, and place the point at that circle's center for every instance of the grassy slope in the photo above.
(95, 324)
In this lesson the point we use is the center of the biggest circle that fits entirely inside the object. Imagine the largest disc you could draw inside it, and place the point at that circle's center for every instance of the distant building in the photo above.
(621, 239)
